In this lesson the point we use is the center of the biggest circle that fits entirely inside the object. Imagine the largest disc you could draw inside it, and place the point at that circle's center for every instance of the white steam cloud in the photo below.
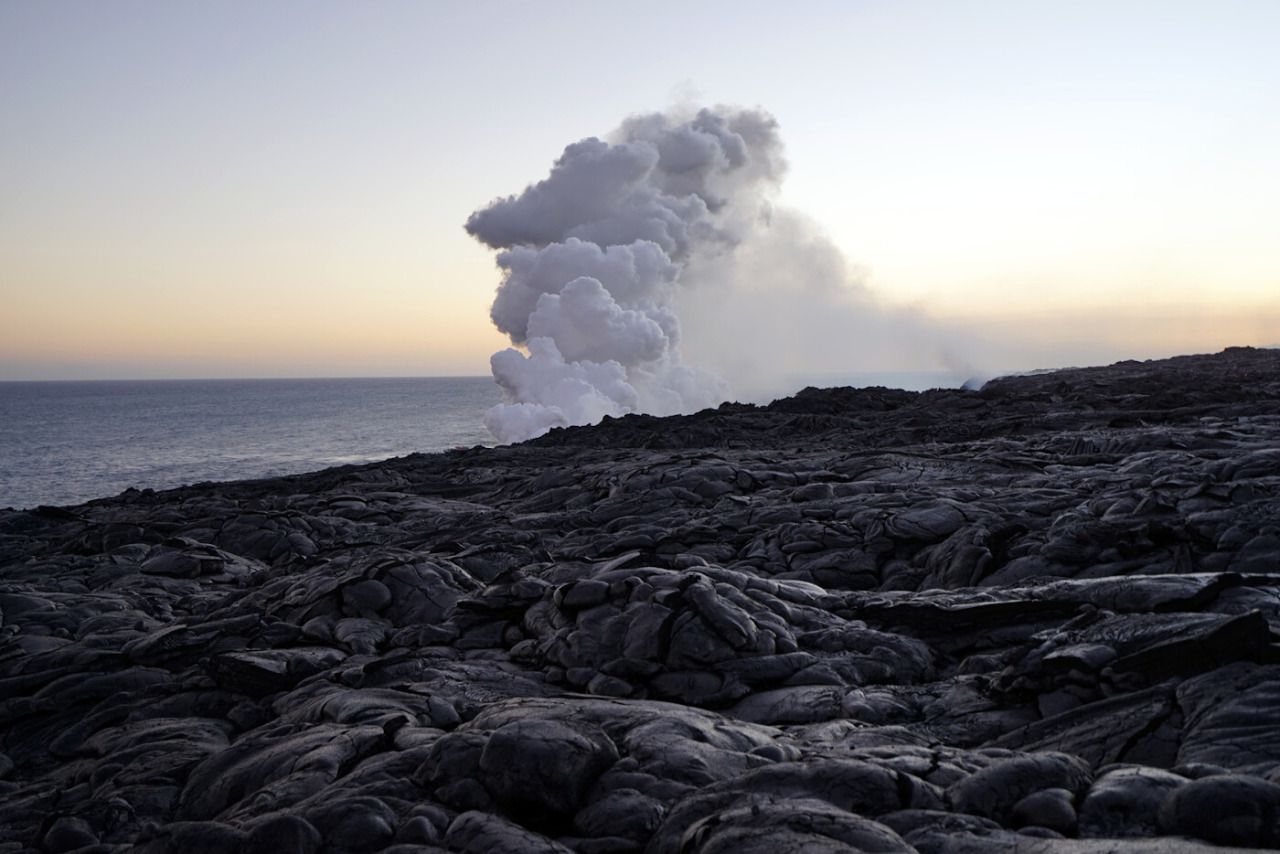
(671, 219)
(592, 258)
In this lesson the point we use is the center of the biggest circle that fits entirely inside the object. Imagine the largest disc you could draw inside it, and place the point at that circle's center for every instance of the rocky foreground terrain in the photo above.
(1040, 617)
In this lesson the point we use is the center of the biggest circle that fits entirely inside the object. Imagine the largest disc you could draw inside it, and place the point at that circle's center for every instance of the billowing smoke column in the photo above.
(592, 258)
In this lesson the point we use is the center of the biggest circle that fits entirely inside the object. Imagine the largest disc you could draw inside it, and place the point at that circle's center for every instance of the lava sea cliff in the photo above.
(1038, 617)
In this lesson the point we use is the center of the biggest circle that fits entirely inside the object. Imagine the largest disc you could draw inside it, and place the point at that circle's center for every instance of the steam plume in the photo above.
(592, 259)
(638, 258)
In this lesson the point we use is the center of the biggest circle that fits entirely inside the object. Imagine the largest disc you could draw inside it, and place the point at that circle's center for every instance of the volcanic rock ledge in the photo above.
(1039, 617)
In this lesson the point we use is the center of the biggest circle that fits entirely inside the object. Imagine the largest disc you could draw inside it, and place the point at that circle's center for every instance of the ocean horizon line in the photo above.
(247, 379)
(833, 378)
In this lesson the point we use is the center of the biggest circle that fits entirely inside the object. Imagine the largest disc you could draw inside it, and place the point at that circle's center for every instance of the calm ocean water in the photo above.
(68, 442)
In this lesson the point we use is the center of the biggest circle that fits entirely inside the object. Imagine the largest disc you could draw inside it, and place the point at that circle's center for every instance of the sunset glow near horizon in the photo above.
(241, 190)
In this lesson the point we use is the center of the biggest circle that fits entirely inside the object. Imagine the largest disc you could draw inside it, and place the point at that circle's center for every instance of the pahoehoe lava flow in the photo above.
(1036, 617)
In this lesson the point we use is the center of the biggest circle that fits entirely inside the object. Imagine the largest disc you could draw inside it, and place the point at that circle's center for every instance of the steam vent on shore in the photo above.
(1039, 617)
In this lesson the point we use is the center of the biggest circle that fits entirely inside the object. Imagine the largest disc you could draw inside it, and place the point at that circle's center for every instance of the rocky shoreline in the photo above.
(1039, 617)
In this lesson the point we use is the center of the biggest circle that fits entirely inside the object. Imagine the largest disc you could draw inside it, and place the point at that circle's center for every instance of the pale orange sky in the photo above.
(279, 190)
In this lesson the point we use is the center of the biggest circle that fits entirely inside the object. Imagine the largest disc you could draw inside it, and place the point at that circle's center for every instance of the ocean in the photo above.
(67, 442)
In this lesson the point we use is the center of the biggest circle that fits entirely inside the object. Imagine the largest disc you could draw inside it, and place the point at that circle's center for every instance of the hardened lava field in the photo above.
(1037, 617)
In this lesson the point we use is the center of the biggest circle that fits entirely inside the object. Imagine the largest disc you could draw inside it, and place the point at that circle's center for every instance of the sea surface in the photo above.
(67, 442)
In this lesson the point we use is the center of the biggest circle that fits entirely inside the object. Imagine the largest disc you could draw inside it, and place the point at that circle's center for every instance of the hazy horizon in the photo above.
(215, 379)
(278, 191)
(832, 378)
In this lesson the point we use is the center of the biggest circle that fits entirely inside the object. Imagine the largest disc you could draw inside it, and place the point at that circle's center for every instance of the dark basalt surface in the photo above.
(1039, 617)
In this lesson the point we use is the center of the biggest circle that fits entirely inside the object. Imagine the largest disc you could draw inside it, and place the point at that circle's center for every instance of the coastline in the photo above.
(838, 616)
(63, 443)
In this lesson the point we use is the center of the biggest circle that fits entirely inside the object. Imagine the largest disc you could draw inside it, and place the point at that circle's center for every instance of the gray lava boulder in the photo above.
(994, 791)
(768, 827)
(479, 833)
(1053, 809)
(1226, 809)
(282, 834)
(67, 834)
(541, 767)
(1125, 802)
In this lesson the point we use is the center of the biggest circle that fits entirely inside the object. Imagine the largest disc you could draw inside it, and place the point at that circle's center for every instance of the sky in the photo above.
(278, 188)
